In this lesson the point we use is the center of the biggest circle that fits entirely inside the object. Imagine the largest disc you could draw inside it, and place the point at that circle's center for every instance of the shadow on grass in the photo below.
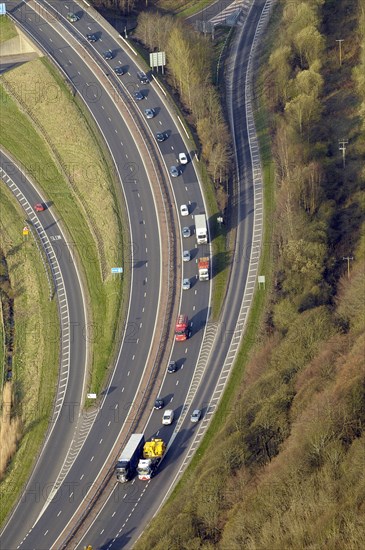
(221, 261)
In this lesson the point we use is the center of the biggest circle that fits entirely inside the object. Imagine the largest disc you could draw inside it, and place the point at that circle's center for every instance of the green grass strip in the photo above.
(36, 346)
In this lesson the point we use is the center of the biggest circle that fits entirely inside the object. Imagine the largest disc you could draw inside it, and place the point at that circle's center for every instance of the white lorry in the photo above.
(201, 229)
(203, 268)
(128, 460)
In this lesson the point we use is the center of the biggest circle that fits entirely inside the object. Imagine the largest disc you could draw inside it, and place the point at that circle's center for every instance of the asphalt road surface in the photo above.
(145, 286)
(122, 520)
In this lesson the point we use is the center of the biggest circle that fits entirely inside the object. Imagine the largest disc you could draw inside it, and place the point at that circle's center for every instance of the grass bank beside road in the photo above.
(54, 139)
(7, 29)
(46, 130)
(35, 348)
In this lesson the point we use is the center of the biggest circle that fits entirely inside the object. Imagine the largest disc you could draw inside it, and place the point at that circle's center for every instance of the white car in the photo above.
(168, 417)
(183, 159)
(186, 284)
(186, 256)
(184, 210)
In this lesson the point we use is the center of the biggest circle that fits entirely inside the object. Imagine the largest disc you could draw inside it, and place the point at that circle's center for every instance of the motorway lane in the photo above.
(162, 121)
(131, 506)
(240, 259)
(51, 458)
(28, 510)
(185, 186)
(107, 416)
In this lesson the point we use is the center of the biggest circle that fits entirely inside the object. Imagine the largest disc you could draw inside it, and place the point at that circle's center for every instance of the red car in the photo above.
(39, 207)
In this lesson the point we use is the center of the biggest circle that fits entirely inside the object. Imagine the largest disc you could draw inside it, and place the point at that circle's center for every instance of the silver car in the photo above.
(195, 417)
(174, 171)
(186, 256)
(186, 232)
(150, 113)
(186, 284)
(108, 55)
(72, 17)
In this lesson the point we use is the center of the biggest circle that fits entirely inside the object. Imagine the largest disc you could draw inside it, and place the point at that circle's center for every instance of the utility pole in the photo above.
(342, 147)
(348, 258)
(340, 47)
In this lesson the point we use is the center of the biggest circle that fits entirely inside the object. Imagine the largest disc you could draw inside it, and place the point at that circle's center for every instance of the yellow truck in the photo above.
(153, 452)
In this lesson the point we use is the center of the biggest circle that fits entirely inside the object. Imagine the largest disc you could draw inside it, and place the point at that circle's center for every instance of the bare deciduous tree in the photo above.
(302, 111)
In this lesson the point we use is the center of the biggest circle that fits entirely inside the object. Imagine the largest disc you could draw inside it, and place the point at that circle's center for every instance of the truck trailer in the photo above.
(153, 452)
(201, 231)
(128, 460)
(203, 268)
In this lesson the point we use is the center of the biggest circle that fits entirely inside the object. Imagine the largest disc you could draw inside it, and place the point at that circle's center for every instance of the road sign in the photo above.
(91, 395)
(261, 280)
(158, 59)
(117, 270)
(25, 231)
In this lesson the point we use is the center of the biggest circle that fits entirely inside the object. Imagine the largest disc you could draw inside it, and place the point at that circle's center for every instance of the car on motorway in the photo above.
(161, 136)
(184, 210)
(138, 96)
(119, 71)
(108, 55)
(143, 78)
(168, 417)
(186, 232)
(186, 284)
(92, 37)
(174, 171)
(159, 403)
(149, 113)
(186, 256)
(183, 159)
(172, 367)
(196, 414)
(39, 207)
(72, 17)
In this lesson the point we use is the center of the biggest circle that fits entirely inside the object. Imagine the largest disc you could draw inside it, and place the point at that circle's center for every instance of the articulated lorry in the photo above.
(153, 452)
(128, 460)
(203, 268)
(201, 231)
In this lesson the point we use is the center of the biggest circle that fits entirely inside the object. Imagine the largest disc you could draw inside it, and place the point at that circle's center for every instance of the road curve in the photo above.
(115, 408)
(72, 312)
(37, 491)
(130, 507)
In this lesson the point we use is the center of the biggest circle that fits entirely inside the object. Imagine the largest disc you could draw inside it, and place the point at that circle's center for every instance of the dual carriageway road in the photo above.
(129, 507)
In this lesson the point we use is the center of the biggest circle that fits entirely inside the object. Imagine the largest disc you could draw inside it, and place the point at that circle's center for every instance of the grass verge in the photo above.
(183, 9)
(2, 349)
(35, 361)
(75, 177)
(7, 29)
